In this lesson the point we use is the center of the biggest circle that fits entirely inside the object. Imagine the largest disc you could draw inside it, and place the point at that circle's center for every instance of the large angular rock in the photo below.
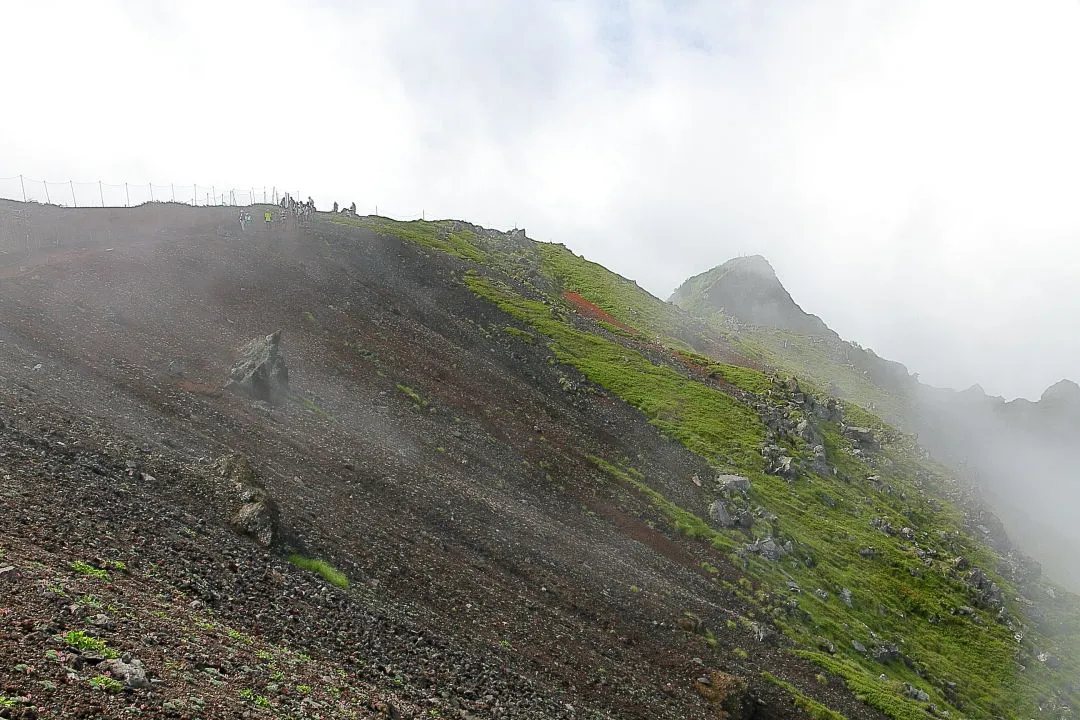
(733, 483)
(127, 671)
(260, 371)
(767, 548)
(720, 516)
(251, 510)
(986, 592)
(861, 436)
(886, 653)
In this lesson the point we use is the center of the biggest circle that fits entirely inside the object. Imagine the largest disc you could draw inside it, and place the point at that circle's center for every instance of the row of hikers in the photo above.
(290, 210)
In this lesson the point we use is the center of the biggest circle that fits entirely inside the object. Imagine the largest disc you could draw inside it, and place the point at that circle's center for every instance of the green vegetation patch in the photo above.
(813, 708)
(682, 520)
(86, 569)
(520, 334)
(616, 295)
(709, 422)
(86, 644)
(438, 235)
(412, 395)
(106, 684)
(753, 381)
(840, 368)
(322, 568)
(875, 692)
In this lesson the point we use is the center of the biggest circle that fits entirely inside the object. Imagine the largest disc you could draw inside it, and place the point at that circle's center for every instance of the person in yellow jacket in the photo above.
(269, 218)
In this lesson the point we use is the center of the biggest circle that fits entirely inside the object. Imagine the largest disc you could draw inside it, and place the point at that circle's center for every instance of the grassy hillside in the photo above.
(859, 557)
(839, 368)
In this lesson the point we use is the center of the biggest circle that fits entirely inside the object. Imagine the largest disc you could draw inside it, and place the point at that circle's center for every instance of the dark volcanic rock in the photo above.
(261, 371)
(251, 509)
(720, 516)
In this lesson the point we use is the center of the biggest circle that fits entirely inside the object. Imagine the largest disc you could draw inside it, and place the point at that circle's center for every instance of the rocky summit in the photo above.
(747, 289)
(494, 480)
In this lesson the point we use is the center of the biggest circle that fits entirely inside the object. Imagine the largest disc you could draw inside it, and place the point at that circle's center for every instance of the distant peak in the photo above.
(747, 289)
(756, 264)
(1062, 391)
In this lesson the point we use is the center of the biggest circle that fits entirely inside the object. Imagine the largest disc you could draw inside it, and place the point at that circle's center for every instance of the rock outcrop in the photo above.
(128, 672)
(251, 511)
(260, 371)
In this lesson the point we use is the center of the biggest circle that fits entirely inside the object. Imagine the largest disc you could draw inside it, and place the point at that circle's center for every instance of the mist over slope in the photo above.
(501, 481)
(1020, 453)
(747, 288)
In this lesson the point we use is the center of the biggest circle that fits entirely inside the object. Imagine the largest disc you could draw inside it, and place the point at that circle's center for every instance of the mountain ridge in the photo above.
(747, 288)
(966, 427)
(505, 482)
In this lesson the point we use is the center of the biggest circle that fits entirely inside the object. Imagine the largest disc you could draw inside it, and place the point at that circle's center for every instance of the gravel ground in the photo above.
(436, 460)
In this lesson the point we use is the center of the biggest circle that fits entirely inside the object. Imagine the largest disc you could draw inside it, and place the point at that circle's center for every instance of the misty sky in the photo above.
(911, 169)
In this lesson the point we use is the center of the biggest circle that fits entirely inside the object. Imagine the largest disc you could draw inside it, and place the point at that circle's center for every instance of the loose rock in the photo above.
(261, 371)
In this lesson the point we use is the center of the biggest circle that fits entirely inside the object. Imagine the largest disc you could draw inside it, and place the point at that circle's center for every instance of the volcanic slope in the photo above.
(508, 453)
(433, 453)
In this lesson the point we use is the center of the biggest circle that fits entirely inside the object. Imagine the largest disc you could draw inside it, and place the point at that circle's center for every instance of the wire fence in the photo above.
(102, 194)
(37, 222)
(71, 193)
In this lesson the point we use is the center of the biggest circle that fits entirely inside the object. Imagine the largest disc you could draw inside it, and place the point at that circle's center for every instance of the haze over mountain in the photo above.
(1021, 453)
(746, 288)
(344, 465)
(913, 182)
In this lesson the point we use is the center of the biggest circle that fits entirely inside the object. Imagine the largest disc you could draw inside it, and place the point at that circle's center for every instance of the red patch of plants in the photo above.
(589, 310)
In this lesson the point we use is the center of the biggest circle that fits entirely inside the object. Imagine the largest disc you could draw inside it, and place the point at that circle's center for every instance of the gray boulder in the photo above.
(744, 520)
(763, 633)
(820, 463)
(251, 510)
(127, 671)
(720, 516)
(986, 591)
(886, 653)
(733, 483)
(767, 548)
(260, 370)
(785, 467)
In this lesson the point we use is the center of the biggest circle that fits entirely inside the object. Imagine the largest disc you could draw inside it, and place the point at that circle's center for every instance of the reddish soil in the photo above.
(495, 572)
(589, 310)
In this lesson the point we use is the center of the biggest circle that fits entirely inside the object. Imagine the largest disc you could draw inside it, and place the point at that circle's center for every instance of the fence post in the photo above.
(101, 193)
(213, 194)
(172, 186)
(48, 200)
(127, 195)
(151, 186)
(23, 186)
(74, 200)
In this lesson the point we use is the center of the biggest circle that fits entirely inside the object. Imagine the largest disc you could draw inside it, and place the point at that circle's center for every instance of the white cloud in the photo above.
(910, 169)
